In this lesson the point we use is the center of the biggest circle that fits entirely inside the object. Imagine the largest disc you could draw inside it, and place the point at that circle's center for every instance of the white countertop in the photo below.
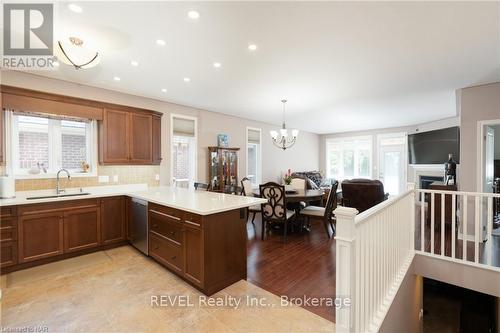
(198, 202)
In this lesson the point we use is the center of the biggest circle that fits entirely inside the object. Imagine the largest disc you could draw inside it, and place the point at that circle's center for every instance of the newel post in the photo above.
(411, 210)
(345, 269)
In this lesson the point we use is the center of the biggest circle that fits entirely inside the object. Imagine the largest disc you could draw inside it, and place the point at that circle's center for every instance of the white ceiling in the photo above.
(342, 66)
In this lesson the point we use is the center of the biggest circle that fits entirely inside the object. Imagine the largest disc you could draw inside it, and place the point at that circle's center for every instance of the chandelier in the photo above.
(72, 52)
(282, 139)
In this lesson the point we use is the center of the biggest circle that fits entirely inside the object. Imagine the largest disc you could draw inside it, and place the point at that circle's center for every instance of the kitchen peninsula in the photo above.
(200, 236)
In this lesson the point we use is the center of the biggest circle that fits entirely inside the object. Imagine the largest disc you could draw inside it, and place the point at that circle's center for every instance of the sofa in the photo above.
(314, 180)
(362, 194)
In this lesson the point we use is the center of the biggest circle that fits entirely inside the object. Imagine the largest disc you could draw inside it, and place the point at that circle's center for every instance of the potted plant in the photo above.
(287, 178)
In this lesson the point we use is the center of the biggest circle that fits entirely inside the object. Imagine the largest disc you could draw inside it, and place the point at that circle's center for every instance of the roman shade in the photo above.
(183, 126)
(36, 105)
(253, 136)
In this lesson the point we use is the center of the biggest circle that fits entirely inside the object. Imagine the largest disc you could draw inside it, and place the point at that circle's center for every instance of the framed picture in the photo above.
(223, 140)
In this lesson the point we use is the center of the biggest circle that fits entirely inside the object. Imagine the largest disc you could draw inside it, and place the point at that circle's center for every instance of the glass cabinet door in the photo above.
(214, 169)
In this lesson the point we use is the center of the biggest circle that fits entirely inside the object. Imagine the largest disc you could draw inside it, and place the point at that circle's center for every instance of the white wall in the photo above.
(303, 156)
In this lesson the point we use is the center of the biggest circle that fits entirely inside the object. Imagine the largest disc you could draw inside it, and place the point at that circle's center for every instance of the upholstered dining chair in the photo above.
(324, 213)
(274, 211)
(201, 186)
(298, 183)
(247, 190)
(232, 189)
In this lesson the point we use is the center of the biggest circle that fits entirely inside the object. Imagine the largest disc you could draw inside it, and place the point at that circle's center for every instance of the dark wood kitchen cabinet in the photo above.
(8, 236)
(81, 229)
(156, 139)
(141, 138)
(129, 137)
(113, 220)
(40, 235)
(207, 251)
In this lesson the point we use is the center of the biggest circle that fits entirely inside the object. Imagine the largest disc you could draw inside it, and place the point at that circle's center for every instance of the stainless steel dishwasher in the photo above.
(139, 225)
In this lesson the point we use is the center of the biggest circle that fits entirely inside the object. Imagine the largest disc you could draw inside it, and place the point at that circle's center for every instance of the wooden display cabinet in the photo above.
(222, 167)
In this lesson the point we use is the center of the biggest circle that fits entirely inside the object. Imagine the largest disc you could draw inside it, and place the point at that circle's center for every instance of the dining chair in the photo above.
(274, 211)
(201, 186)
(324, 213)
(247, 190)
(298, 183)
(232, 189)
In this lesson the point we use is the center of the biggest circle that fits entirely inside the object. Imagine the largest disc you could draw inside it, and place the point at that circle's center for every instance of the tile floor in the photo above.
(111, 291)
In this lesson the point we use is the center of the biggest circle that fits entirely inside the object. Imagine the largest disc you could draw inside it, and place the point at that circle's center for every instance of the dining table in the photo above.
(300, 195)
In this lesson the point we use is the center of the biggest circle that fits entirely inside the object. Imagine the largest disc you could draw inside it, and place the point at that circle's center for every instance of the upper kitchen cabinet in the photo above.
(129, 137)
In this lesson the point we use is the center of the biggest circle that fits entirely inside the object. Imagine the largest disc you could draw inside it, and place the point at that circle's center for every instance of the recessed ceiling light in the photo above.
(193, 14)
(75, 8)
(186, 79)
(164, 90)
(116, 78)
(252, 47)
(55, 63)
(217, 64)
(160, 42)
(134, 63)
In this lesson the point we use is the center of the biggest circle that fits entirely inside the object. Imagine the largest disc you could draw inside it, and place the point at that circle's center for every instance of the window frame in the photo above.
(258, 179)
(195, 148)
(342, 141)
(12, 151)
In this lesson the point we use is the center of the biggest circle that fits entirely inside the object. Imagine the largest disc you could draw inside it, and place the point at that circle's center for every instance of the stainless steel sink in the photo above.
(58, 196)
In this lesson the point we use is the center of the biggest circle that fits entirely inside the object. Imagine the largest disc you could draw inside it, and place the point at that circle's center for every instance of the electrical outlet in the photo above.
(103, 179)
(421, 314)
(115, 178)
(157, 177)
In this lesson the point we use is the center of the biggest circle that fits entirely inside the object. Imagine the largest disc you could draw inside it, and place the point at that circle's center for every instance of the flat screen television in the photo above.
(433, 147)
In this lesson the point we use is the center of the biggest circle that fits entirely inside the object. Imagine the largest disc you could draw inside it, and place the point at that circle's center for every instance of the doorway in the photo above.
(392, 162)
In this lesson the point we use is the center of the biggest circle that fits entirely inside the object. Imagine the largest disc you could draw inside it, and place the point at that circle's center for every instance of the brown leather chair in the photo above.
(362, 194)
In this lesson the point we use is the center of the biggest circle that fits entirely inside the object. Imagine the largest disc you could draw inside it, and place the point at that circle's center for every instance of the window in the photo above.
(349, 157)
(183, 140)
(49, 144)
(254, 164)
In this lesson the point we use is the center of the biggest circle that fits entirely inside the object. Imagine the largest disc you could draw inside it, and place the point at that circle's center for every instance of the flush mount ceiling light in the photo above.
(72, 52)
(75, 8)
(193, 14)
(281, 139)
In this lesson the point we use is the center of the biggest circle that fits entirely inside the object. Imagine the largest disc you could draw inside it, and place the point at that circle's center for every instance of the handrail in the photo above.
(479, 194)
(361, 217)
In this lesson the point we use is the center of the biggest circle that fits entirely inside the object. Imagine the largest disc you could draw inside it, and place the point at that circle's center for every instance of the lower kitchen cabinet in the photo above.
(113, 220)
(166, 252)
(193, 255)
(8, 253)
(81, 229)
(40, 236)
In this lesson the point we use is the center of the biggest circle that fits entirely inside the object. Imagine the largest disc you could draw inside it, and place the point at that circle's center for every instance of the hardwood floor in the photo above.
(305, 266)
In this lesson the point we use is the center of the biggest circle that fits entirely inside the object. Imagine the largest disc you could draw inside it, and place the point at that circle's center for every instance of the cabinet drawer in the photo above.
(193, 220)
(165, 251)
(8, 211)
(8, 254)
(166, 226)
(175, 214)
(6, 222)
(8, 234)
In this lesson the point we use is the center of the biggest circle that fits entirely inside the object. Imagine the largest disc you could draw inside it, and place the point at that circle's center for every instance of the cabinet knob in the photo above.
(174, 257)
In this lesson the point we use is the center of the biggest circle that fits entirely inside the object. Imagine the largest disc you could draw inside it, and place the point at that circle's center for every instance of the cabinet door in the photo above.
(156, 139)
(166, 252)
(114, 137)
(8, 253)
(112, 220)
(141, 148)
(193, 255)
(40, 236)
(81, 229)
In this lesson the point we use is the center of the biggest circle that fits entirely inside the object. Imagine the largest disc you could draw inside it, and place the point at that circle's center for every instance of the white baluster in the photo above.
(442, 224)
(464, 230)
(477, 207)
(489, 229)
(422, 221)
(432, 221)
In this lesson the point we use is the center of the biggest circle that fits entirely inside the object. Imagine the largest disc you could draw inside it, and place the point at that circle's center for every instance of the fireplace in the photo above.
(425, 181)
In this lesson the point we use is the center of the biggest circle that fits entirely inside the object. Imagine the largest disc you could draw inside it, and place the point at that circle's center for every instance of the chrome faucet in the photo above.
(58, 191)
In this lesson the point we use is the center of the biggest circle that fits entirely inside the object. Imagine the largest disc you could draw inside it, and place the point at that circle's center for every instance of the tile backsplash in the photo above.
(127, 174)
